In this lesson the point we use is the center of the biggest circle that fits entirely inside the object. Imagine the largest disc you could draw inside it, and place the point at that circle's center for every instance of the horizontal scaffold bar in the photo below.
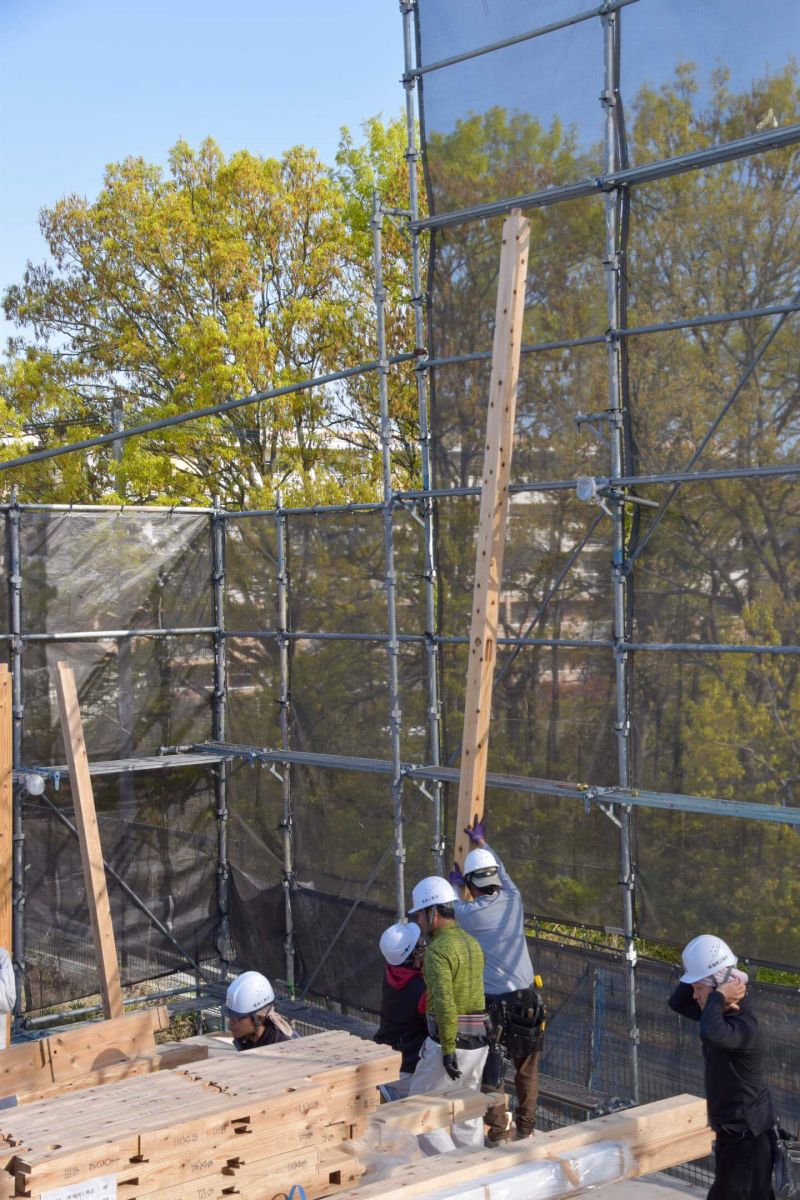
(631, 331)
(664, 168)
(529, 35)
(119, 766)
(632, 797)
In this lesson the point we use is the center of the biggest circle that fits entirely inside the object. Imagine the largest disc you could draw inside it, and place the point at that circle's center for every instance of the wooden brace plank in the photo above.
(492, 523)
(89, 838)
(163, 1058)
(74, 1053)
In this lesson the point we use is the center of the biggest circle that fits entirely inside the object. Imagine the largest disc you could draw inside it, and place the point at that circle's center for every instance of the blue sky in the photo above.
(87, 82)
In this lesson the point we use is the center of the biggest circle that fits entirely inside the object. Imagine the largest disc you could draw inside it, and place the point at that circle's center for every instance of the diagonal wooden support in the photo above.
(492, 522)
(89, 838)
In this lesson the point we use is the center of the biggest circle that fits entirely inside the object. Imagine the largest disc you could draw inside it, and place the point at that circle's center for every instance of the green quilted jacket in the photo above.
(453, 970)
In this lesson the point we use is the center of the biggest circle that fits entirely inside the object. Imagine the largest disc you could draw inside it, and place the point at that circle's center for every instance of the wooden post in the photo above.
(6, 822)
(492, 523)
(89, 838)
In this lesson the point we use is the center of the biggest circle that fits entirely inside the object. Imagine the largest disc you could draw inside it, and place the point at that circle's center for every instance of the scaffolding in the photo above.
(302, 926)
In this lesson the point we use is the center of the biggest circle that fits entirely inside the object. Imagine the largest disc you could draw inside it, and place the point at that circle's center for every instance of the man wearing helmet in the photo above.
(454, 1053)
(495, 917)
(249, 1007)
(403, 1022)
(713, 992)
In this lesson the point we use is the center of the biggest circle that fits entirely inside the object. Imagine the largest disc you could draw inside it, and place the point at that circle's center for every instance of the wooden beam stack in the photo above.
(657, 1136)
(90, 1054)
(249, 1125)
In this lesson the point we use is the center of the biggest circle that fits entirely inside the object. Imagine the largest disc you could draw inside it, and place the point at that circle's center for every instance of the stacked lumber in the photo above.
(421, 1114)
(248, 1125)
(91, 1054)
(655, 1136)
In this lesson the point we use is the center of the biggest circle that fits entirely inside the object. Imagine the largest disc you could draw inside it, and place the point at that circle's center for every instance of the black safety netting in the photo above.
(339, 704)
(158, 833)
(87, 571)
(91, 584)
(698, 272)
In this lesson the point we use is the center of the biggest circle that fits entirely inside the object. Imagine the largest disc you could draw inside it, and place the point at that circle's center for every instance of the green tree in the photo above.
(177, 289)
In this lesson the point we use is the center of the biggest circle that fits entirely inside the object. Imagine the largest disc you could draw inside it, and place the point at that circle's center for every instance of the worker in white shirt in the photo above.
(8, 992)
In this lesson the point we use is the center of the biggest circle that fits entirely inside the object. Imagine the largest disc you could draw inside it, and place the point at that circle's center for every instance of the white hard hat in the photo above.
(432, 890)
(398, 941)
(704, 956)
(482, 862)
(248, 994)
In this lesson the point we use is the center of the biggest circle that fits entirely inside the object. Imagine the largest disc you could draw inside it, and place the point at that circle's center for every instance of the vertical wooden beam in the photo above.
(89, 838)
(492, 522)
(6, 822)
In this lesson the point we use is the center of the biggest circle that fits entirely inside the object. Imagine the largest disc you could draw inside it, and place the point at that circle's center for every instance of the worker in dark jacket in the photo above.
(403, 1023)
(713, 992)
(250, 1009)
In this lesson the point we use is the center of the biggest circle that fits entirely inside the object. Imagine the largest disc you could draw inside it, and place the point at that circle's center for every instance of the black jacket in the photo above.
(733, 1049)
(403, 1025)
(270, 1036)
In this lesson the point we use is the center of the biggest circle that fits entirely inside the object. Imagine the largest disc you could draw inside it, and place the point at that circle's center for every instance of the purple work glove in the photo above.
(455, 877)
(476, 831)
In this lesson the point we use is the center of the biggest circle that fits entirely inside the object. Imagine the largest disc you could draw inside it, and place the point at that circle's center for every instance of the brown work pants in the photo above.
(526, 1085)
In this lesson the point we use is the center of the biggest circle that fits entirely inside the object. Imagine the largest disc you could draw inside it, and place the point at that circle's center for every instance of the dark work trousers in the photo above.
(743, 1167)
(526, 1085)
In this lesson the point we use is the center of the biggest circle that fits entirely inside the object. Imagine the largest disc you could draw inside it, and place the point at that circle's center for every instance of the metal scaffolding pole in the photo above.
(662, 168)
(615, 220)
(408, 11)
(219, 722)
(392, 645)
(284, 702)
(18, 865)
(526, 36)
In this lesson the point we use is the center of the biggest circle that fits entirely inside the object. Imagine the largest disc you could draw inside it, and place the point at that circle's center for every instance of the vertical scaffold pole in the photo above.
(18, 867)
(615, 281)
(408, 11)
(284, 702)
(392, 645)
(219, 722)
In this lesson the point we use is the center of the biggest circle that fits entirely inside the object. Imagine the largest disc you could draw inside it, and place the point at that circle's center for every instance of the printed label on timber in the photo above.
(104, 1187)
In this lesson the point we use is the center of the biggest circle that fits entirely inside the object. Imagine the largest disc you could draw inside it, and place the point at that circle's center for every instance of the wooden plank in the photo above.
(265, 1180)
(218, 1159)
(673, 1151)
(646, 1125)
(421, 1114)
(71, 1054)
(158, 1124)
(492, 523)
(89, 838)
(243, 1108)
(163, 1058)
(6, 822)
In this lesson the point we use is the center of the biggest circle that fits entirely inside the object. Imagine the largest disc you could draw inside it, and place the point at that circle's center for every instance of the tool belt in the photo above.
(472, 1031)
(518, 1021)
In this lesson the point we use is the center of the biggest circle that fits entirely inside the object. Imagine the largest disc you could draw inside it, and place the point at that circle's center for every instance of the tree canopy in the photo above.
(183, 287)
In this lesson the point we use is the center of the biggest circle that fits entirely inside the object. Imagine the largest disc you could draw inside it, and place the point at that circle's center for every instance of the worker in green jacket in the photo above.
(454, 1053)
